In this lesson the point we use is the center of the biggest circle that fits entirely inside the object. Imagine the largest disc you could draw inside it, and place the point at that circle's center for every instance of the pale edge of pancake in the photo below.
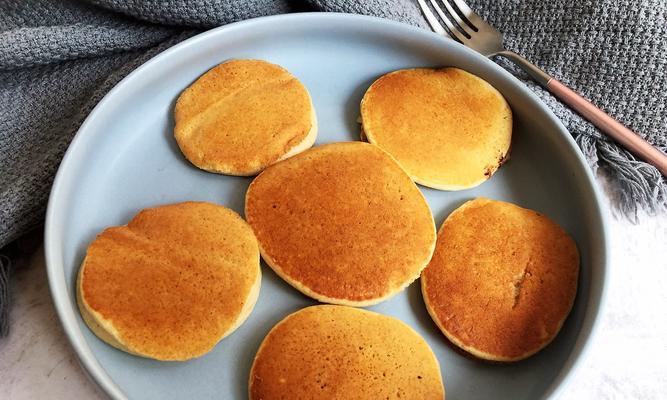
(479, 353)
(308, 141)
(303, 145)
(261, 346)
(330, 300)
(345, 302)
(105, 330)
(365, 137)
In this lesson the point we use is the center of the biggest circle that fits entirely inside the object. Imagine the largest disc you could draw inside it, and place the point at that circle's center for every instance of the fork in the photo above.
(464, 26)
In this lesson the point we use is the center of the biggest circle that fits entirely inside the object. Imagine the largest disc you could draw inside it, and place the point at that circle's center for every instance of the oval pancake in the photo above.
(338, 352)
(502, 280)
(448, 129)
(342, 223)
(243, 115)
(172, 282)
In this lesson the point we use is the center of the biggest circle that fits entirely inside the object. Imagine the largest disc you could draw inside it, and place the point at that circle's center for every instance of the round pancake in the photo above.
(342, 223)
(502, 280)
(448, 129)
(337, 352)
(172, 282)
(242, 116)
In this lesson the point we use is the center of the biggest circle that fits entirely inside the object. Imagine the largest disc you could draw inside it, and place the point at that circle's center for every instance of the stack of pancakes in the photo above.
(343, 223)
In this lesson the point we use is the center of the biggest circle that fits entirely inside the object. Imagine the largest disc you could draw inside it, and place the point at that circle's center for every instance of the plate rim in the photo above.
(55, 271)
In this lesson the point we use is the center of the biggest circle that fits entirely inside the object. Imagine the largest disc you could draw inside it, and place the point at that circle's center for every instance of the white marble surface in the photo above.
(627, 360)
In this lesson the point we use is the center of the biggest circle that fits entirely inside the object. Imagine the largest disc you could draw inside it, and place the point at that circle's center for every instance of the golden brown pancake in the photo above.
(448, 129)
(172, 282)
(342, 223)
(337, 352)
(502, 279)
(242, 116)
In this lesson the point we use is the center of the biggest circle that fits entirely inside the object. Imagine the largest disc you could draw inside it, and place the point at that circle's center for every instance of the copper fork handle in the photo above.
(627, 138)
(608, 125)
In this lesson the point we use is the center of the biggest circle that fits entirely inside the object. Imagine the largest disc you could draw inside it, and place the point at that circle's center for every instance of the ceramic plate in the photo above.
(124, 158)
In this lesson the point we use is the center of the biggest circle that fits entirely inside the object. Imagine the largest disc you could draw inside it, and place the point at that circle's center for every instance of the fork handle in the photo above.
(627, 138)
(609, 125)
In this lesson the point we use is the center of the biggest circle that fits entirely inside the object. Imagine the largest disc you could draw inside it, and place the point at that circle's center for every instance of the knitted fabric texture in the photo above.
(59, 57)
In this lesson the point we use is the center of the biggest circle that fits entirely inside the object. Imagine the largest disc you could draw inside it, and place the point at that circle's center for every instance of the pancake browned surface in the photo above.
(338, 352)
(172, 282)
(242, 116)
(447, 128)
(342, 223)
(502, 279)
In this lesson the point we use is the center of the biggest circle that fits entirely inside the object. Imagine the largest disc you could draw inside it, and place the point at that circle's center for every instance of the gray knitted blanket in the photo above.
(59, 57)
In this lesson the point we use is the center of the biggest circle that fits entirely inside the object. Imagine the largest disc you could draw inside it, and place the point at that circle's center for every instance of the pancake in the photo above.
(337, 352)
(448, 129)
(502, 280)
(342, 223)
(242, 116)
(172, 282)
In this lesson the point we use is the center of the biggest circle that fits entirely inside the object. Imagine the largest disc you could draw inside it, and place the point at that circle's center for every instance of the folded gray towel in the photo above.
(59, 57)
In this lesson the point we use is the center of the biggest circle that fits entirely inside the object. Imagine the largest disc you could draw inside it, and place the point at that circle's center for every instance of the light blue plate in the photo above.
(124, 158)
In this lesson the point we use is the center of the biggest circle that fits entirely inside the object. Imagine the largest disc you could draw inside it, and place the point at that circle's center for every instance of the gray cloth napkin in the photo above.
(58, 58)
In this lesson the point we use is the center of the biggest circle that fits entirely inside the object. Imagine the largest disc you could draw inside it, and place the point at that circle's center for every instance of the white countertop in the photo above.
(628, 359)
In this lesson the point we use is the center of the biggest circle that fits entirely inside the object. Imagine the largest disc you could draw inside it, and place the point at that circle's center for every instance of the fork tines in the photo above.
(454, 17)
